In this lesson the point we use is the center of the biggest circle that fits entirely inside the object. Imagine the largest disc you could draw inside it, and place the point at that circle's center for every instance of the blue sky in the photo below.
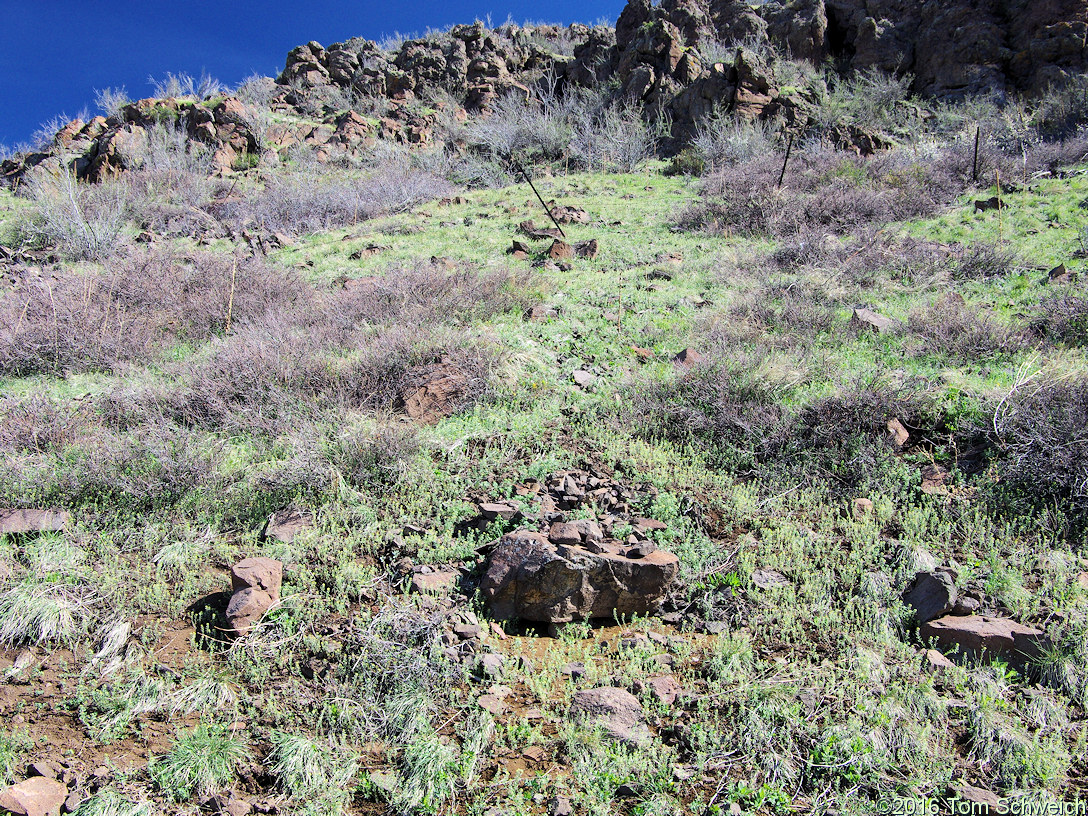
(54, 54)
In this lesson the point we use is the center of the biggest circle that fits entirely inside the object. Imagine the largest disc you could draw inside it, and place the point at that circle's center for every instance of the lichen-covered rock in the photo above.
(530, 578)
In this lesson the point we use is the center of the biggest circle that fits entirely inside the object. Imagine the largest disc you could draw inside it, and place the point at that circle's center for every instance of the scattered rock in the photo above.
(862, 508)
(769, 579)
(541, 313)
(966, 605)
(982, 800)
(467, 631)
(228, 803)
(587, 249)
(560, 251)
(935, 479)
(23, 521)
(1082, 580)
(1059, 274)
(37, 796)
(491, 666)
(867, 319)
(493, 704)
(617, 711)
(570, 215)
(519, 247)
(982, 636)
(565, 533)
(931, 595)
(584, 379)
(435, 583)
(575, 670)
(663, 688)
(897, 433)
(497, 510)
(688, 358)
(256, 586)
(432, 392)
(643, 525)
(284, 525)
(933, 660)
(986, 204)
(530, 578)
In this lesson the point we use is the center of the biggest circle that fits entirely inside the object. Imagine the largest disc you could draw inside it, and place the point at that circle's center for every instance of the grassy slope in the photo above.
(811, 698)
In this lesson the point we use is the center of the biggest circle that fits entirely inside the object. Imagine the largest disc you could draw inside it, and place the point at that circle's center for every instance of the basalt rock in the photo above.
(255, 583)
(533, 579)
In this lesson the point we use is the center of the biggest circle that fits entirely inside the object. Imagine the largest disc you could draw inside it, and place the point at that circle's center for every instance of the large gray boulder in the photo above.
(531, 578)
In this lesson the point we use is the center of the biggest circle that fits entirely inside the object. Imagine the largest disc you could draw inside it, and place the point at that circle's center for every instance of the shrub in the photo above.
(200, 763)
(318, 199)
(741, 423)
(111, 100)
(792, 309)
(82, 221)
(88, 321)
(724, 140)
(1043, 448)
(531, 130)
(1062, 319)
(614, 138)
(961, 332)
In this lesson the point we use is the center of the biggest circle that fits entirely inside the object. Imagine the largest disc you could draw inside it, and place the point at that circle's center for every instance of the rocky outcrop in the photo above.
(471, 63)
(951, 49)
(532, 578)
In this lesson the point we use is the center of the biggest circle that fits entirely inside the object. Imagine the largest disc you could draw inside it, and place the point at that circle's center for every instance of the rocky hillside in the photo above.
(539, 421)
(682, 60)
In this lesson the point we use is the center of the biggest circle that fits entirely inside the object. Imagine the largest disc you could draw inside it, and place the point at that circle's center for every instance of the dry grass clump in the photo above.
(77, 320)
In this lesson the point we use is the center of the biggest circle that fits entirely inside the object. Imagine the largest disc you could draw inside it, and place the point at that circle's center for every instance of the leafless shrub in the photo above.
(1062, 319)
(82, 221)
(321, 199)
(613, 138)
(375, 457)
(982, 261)
(955, 329)
(836, 192)
(143, 471)
(426, 293)
(792, 309)
(724, 140)
(1041, 427)
(36, 424)
(92, 321)
(111, 100)
(530, 130)
(742, 424)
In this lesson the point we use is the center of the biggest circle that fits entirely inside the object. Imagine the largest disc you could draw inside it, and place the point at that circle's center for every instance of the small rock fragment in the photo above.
(688, 358)
(37, 796)
(931, 595)
(870, 320)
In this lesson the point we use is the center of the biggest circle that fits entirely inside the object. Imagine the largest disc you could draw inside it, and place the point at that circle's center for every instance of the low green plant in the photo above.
(312, 769)
(200, 763)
